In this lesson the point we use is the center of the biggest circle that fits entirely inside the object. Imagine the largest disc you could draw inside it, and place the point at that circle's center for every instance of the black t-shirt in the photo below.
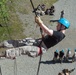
(56, 54)
(61, 54)
(16, 43)
(50, 41)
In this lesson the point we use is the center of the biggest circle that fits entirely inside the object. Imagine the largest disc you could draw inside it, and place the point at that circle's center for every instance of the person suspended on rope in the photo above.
(51, 39)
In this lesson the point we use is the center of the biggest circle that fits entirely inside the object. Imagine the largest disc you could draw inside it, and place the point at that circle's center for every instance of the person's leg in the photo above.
(7, 44)
(19, 43)
(32, 51)
(14, 43)
(11, 53)
(30, 41)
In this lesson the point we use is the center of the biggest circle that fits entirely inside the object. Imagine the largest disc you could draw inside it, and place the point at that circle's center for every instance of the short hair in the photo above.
(59, 73)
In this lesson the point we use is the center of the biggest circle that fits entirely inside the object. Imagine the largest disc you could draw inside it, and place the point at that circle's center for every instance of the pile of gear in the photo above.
(61, 57)
(41, 10)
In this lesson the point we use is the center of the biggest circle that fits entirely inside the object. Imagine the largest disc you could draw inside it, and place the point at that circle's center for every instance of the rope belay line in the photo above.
(0, 71)
(40, 42)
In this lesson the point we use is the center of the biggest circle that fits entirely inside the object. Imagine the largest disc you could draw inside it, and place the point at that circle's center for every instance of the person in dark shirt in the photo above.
(56, 55)
(61, 56)
(49, 40)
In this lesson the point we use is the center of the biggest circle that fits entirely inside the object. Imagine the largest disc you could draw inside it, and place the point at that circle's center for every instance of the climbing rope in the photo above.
(0, 71)
(40, 42)
(15, 67)
(39, 65)
(35, 13)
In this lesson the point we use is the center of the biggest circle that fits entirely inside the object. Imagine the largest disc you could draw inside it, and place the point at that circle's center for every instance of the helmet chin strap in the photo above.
(62, 28)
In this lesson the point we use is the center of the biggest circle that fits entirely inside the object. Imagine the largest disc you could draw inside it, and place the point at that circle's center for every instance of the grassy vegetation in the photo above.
(12, 26)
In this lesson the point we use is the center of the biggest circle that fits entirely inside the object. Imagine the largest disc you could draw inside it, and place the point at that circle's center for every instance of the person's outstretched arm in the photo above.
(43, 27)
(71, 70)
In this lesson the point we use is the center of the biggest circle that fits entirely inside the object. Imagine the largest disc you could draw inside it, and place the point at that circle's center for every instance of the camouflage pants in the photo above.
(24, 50)
(18, 43)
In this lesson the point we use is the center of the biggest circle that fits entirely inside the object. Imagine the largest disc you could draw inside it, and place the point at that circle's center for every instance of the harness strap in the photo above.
(40, 51)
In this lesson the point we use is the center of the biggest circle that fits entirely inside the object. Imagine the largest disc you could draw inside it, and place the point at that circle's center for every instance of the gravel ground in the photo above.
(25, 65)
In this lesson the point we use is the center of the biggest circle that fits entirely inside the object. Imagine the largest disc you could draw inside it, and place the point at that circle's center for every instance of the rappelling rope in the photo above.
(40, 42)
(15, 67)
(0, 71)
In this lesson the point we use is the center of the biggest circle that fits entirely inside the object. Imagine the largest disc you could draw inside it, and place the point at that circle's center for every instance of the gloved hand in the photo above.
(38, 20)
